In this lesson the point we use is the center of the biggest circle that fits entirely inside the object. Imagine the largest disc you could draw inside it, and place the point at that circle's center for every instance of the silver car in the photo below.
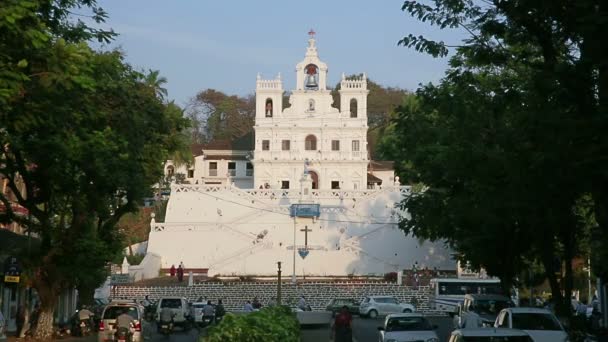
(141, 330)
(373, 306)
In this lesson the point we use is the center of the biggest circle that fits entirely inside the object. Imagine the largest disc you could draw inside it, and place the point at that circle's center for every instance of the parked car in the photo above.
(540, 324)
(489, 335)
(335, 305)
(480, 310)
(372, 306)
(141, 331)
(407, 327)
(180, 308)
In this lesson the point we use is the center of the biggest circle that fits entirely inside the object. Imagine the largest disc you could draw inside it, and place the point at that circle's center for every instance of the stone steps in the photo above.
(317, 294)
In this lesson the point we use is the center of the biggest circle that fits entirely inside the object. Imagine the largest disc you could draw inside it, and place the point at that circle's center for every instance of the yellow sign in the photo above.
(11, 279)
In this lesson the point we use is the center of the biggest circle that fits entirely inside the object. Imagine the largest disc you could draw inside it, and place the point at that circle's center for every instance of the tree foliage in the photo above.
(276, 323)
(381, 104)
(217, 116)
(83, 132)
(509, 144)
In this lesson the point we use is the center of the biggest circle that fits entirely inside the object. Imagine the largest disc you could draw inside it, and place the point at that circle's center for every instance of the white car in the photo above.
(180, 309)
(489, 335)
(407, 327)
(196, 311)
(141, 330)
(372, 306)
(540, 324)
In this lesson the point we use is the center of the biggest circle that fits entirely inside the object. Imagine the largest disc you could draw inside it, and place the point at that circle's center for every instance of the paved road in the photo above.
(366, 330)
(177, 336)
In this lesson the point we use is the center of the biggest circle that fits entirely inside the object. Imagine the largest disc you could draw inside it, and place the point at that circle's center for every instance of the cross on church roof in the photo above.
(312, 33)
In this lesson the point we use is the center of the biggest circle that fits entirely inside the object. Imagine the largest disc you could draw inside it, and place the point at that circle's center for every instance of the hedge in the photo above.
(270, 324)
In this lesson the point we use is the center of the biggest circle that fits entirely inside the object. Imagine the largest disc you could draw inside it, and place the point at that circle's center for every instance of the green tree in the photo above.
(157, 82)
(85, 135)
(217, 116)
(511, 132)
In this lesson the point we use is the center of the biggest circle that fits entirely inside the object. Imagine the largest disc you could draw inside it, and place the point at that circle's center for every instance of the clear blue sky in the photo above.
(200, 44)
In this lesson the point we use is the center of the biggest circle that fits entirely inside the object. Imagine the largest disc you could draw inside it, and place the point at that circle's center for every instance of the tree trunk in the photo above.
(48, 294)
(44, 329)
(556, 292)
(569, 275)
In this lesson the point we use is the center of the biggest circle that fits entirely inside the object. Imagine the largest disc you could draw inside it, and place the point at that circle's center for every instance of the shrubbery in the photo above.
(270, 324)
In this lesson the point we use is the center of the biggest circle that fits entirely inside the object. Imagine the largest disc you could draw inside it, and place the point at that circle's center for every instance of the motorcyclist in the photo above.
(208, 312)
(146, 302)
(124, 322)
(220, 311)
(166, 316)
(148, 308)
(85, 316)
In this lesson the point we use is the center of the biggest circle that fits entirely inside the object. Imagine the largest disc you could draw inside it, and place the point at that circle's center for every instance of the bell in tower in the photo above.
(310, 82)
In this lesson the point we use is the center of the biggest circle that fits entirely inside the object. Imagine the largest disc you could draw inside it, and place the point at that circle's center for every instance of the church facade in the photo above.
(234, 214)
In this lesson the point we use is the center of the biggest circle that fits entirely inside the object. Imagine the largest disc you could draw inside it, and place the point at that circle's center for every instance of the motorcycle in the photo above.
(207, 320)
(123, 335)
(165, 328)
(150, 312)
(84, 328)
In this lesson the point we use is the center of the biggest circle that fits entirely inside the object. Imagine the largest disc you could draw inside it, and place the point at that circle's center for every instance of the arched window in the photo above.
(268, 108)
(170, 170)
(310, 143)
(353, 108)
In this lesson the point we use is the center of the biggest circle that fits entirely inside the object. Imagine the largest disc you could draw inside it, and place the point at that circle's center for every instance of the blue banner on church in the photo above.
(305, 210)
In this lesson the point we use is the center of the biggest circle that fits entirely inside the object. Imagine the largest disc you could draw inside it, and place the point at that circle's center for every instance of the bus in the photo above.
(448, 293)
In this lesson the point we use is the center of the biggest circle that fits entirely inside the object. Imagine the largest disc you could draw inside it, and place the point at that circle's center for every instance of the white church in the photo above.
(234, 216)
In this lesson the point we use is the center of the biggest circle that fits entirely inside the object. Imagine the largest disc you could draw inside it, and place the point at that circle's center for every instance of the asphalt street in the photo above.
(366, 330)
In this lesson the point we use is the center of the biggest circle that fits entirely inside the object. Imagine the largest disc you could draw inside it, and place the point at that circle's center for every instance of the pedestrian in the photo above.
(180, 274)
(256, 303)
(272, 301)
(302, 304)
(341, 329)
(172, 270)
(2, 324)
(20, 321)
(248, 307)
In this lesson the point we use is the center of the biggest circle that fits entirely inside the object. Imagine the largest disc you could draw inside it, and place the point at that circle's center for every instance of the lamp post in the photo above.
(279, 284)
(293, 275)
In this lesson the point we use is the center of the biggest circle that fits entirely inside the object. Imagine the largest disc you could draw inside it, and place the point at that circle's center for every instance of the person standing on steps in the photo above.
(180, 273)
(172, 271)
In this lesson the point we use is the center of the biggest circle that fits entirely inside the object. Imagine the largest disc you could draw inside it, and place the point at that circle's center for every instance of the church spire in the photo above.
(311, 51)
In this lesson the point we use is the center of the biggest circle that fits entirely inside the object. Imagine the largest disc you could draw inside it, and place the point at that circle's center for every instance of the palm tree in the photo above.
(156, 82)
